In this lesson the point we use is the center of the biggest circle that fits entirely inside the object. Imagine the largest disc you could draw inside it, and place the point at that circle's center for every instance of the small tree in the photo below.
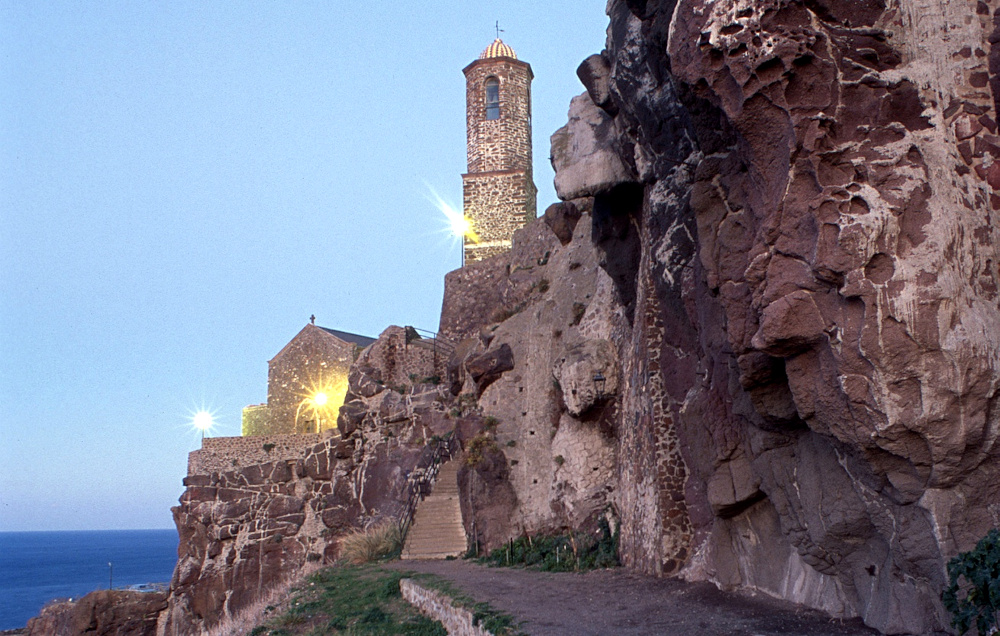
(980, 570)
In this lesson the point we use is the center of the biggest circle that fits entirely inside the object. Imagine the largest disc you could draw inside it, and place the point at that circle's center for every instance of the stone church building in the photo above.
(306, 383)
(498, 191)
(307, 379)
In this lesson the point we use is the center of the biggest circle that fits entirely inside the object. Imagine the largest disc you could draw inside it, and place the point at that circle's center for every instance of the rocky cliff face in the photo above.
(795, 203)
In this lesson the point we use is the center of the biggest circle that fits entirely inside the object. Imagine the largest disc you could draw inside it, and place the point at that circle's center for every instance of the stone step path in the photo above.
(437, 531)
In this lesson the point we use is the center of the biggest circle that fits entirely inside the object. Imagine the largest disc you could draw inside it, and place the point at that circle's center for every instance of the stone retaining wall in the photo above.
(436, 605)
(219, 454)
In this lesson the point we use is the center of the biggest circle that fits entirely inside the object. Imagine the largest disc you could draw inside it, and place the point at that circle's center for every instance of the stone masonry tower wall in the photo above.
(498, 191)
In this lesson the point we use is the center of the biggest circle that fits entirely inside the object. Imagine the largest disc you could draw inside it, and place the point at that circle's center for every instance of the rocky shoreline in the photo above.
(121, 612)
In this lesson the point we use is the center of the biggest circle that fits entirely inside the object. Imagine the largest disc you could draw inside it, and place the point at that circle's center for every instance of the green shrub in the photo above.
(571, 552)
(976, 576)
(478, 447)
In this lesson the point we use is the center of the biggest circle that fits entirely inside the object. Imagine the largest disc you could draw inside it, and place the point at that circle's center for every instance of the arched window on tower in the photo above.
(492, 98)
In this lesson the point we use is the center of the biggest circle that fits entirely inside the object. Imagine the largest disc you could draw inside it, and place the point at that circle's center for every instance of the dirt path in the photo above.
(613, 602)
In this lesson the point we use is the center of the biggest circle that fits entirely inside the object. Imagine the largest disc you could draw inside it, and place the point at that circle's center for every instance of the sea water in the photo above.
(37, 567)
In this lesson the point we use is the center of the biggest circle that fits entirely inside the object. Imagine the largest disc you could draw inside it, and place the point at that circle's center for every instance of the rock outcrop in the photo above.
(799, 232)
(545, 461)
(101, 613)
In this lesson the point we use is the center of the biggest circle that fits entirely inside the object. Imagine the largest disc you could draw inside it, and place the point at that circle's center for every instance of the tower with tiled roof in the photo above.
(498, 189)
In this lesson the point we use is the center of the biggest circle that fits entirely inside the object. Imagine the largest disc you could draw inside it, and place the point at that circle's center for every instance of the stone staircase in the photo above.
(437, 531)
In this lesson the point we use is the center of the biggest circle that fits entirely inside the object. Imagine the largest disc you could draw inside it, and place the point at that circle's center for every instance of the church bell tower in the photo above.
(498, 191)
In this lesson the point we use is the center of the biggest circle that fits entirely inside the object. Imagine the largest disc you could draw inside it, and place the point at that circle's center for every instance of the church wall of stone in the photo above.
(499, 193)
(504, 143)
(499, 203)
(219, 454)
(256, 420)
(313, 362)
(404, 361)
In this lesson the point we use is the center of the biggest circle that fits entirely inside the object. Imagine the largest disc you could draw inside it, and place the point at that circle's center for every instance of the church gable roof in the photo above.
(361, 341)
(350, 338)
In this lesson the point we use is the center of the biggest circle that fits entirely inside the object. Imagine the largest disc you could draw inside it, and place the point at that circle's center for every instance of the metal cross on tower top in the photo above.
(499, 30)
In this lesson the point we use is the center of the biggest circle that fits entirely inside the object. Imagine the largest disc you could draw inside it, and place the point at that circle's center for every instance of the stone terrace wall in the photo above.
(398, 357)
(219, 454)
(438, 606)
(472, 295)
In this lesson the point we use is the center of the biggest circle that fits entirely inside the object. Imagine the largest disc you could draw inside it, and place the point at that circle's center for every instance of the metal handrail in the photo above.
(446, 347)
(415, 488)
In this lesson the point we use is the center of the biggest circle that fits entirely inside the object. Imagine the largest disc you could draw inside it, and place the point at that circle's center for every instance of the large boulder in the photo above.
(561, 219)
(583, 153)
(486, 368)
(595, 74)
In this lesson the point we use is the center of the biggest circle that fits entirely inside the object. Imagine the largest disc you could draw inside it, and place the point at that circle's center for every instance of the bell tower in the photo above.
(498, 191)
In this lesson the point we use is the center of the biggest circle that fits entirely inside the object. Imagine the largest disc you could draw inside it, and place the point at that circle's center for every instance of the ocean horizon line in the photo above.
(90, 530)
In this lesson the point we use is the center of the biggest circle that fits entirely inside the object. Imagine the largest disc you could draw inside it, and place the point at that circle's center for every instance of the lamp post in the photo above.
(111, 577)
(319, 400)
(599, 382)
(316, 401)
(203, 421)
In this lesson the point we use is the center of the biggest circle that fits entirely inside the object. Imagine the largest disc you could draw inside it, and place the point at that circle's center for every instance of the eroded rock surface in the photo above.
(807, 264)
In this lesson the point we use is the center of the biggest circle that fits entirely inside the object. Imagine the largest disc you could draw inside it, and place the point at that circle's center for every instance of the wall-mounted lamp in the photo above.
(599, 382)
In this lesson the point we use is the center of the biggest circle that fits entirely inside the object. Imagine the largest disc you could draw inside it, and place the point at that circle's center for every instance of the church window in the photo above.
(492, 98)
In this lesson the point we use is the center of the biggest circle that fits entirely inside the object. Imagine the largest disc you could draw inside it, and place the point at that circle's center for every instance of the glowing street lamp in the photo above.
(460, 226)
(203, 421)
(316, 402)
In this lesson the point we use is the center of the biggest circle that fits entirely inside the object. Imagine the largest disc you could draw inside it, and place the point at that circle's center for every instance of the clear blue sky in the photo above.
(183, 183)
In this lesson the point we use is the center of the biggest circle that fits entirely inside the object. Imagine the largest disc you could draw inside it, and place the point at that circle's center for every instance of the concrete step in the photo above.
(437, 531)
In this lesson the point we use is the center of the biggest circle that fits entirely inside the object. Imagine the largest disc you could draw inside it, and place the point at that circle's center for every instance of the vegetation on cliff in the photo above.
(570, 552)
(975, 575)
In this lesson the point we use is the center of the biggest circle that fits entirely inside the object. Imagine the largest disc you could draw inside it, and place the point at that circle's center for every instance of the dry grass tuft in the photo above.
(380, 541)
